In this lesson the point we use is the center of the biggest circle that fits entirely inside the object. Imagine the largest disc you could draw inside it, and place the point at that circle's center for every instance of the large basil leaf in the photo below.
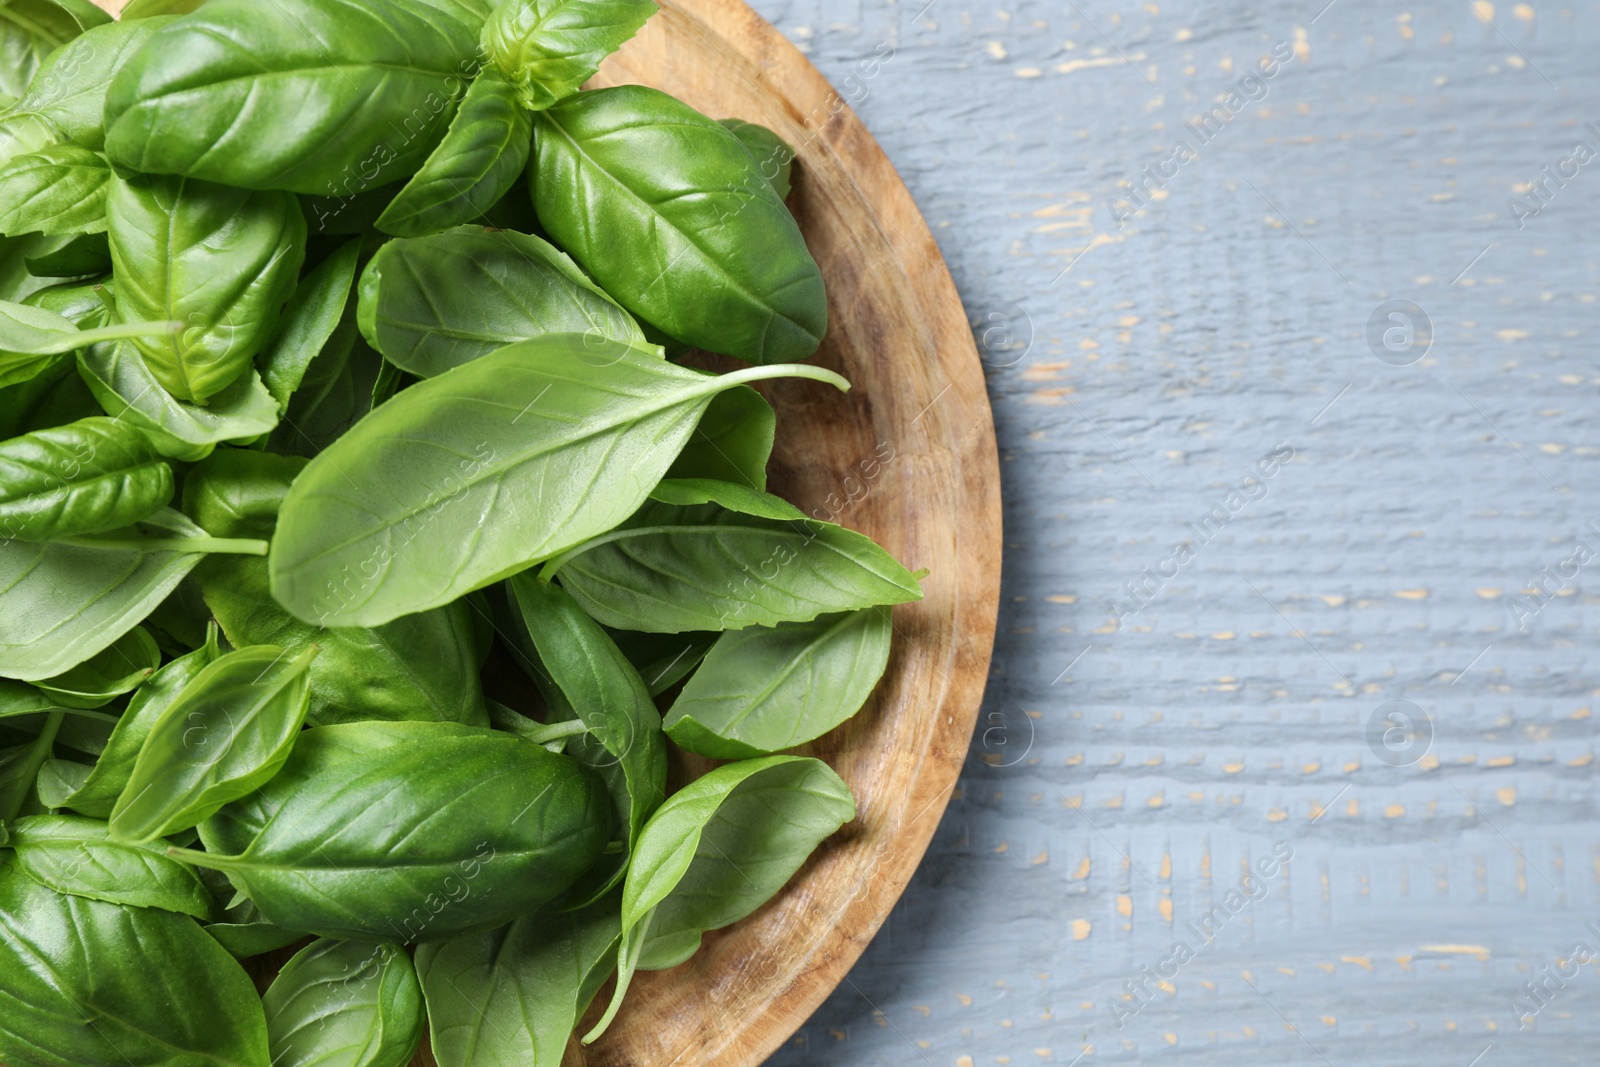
(221, 261)
(119, 668)
(772, 153)
(703, 555)
(409, 831)
(71, 854)
(60, 189)
(657, 201)
(122, 382)
(421, 666)
(86, 477)
(31, 29)
(433, 303)
(248, 94)
(510, 997)
(61, 603)
(480, 159)
(227, 733)
(70, 89)
(87, 982)
(548, 48)
(733, 441)
(106, 782)
(717, 850)
(309, 320)
(469, 477)
(761, 690)
(603, 691)
(344, 1004)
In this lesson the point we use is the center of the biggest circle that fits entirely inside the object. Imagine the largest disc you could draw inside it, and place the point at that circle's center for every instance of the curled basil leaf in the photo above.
(74, 855)
(86, 477)
(119, 668)
(733, 441)
(548, 48)
(344, 1004)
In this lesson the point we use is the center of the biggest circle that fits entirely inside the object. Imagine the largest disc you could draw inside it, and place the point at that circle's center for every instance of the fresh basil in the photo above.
(36, 331)
(344, 1004)
(119, 668)
(32, 29)
(772, 153)
(87, 477)
(335, 392)
(548, 48)
(309, 321)
(78, 856)
(733, 441)
(59, 189)
(69, 91)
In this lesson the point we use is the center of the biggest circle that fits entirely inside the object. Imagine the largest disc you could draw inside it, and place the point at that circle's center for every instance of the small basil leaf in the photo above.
(334, 394)
(75, 257)
(226, 734)
(466, 478)
(510, 997)
(762, 690)
(430, 304)
(717, 850)
(244, 93)
(772, 153)
(222, 261)
(70, 89)
(308, 321)
(36, 331)
(481, 157)
(655, 200)
(71, 854)
(663, 660)
(20, 765)
(244, 940)
(548, 48)
(86, 477)
(67, 959)
(60, 189)
(51, 395)
(344, 1004)
(733, 441)
(119, 668)
(58, 779)
(32, 29)
(409, 831)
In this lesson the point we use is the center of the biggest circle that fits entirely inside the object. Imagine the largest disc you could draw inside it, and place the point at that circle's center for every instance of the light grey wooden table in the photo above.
(1288, 754)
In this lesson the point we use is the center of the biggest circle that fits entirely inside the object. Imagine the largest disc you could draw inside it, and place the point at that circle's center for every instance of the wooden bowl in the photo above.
(907, 457)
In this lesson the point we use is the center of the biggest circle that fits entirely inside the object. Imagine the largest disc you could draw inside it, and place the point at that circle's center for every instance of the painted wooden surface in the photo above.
(1128, 770)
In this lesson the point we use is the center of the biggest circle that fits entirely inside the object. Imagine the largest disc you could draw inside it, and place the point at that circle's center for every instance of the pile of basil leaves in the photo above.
(375, 284)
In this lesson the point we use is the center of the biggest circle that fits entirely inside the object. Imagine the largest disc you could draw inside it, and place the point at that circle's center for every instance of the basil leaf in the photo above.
(663, 660)
(309, 320)
(60, 603)
(87, 477)
(655, 201)
(421, 666)
(603, 691)
(510, 997)
(35, 331)
(772, 153)
(70, 89)
(50, 395)
(227, 733)
(221, 261)
(409, 832)
(119, 668)
(466, 478)
(244, 940)
(74, 855)
(60, 189)
(481, 157)
(344, 1004)
(717, 850)
(334, 394)
(548, 48)
(687, 560)
(122, 382)
(761, 690)
(31, 29)
(470, 13)
(106, 782)
(57, 780)
(433, 303)
(248, 94)
(733, 441)
(19, 767)
(146, 9)
(81, 256)
(65, 960)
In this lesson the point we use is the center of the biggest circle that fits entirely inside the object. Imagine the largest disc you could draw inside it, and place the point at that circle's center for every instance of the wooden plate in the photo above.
(908, 457)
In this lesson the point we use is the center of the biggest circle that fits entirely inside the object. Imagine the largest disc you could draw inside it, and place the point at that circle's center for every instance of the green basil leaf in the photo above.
(733, 441)
(602, 690)
(222, 261)
(87, 477)
(663, 660)
(309, 320)
(548, 48)
(469, 477)
(247, 94)
(430, 304)
(244, 940)
(71, 854)
(32, 29)
(70, 89)
(50, 395)
(122, 382)
(510, 997)
(58, 779)
(60, 603)
(227, 733)
(470, 13)
(81, 256)
(20, 766)
(772, 153)
(481, 157)
(106, 782)
(334, 394)
(344, 1004)
(145, 9)
(121, 667)
(687, 560)
(156, 989)
(421, 666)
(655, 200)
(60, 189)
(36, 331)
(717, 850)
(762, 690)
(409, 831)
